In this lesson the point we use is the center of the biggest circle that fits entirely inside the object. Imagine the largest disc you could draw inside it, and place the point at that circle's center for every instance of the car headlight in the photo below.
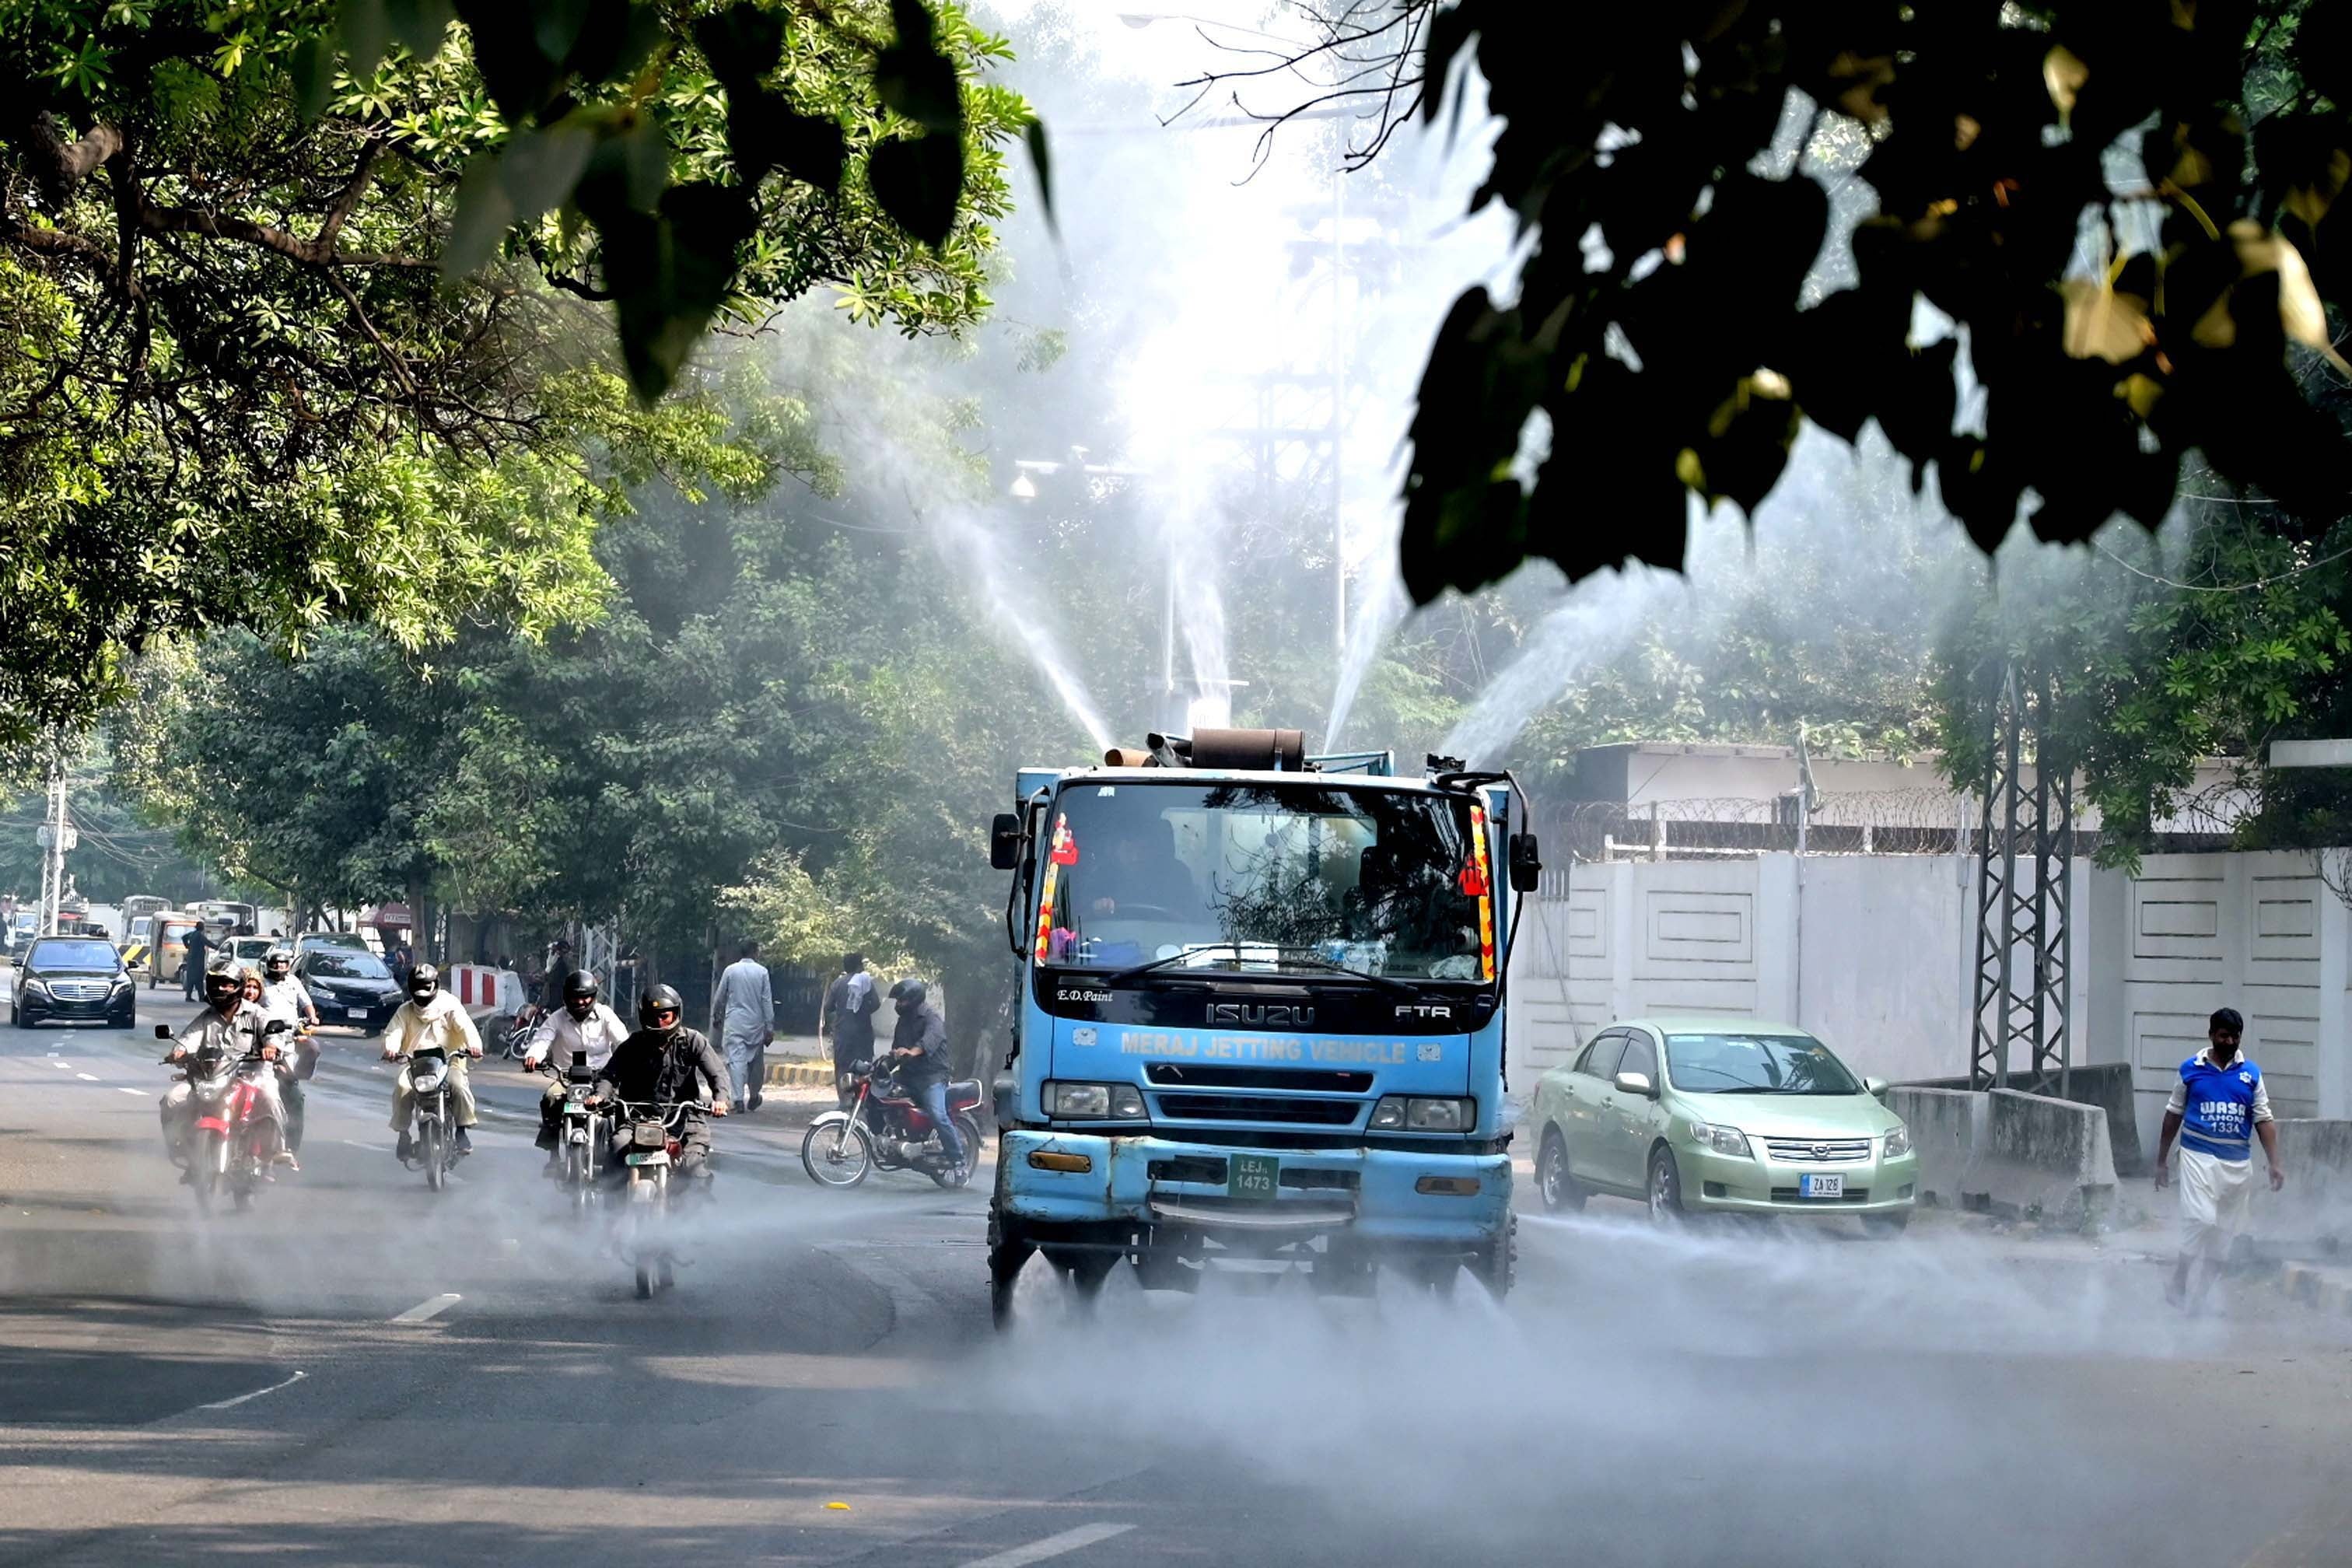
(1416, 1114)
(1093, 1100)
(122, 983)
(36, 987)
(1898, 1141)
(1716, 1140)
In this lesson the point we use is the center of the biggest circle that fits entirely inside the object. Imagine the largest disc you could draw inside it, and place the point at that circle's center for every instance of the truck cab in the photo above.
(1261, 1018)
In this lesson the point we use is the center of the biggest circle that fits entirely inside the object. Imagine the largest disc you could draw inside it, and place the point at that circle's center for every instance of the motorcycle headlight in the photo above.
(1898, 1142)
(1093, 1100)
(428, 1079)
(1716, 1140)
(1418, 1113)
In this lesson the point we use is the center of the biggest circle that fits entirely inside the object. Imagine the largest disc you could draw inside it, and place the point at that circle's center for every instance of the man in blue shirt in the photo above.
(2218, 1107)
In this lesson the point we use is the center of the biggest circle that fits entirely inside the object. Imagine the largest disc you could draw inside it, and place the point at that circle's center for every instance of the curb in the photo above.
(800, 1075)
(2328, 1289)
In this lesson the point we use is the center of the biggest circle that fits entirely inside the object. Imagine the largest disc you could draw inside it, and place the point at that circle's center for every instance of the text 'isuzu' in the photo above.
(1261, 1022)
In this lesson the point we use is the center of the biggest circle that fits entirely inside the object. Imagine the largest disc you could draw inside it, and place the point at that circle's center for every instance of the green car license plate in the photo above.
(1252, 1176)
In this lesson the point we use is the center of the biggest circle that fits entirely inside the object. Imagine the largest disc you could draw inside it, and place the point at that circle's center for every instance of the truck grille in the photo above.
(1817, 1151)
(1255, 1107)
(1206, 1170)
(1179, 1075)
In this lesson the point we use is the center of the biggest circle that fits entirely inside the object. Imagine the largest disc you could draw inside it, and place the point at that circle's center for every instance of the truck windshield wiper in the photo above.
(1137, 972)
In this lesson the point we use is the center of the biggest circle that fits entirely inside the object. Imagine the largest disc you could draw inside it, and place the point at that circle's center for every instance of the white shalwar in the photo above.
(2215, 1197)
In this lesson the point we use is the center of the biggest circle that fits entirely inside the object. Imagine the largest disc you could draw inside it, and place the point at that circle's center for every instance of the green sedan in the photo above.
(1714, 1115)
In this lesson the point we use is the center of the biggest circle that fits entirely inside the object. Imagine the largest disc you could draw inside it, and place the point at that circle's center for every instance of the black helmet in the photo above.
(579, 983)
(910, 994)
(660, 999)
(424, 982)
(223, 980)
(279, 963)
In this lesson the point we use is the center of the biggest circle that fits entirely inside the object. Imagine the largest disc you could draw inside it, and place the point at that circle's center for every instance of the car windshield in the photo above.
(1755, 1064)
(336, 963)
(1262, 877)
(55, 954)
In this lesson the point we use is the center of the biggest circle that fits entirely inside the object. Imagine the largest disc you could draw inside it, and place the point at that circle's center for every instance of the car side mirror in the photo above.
(1004, 842)
(1636, 1083)
(162, 1031)
(1874, 1086)
(1526, 863)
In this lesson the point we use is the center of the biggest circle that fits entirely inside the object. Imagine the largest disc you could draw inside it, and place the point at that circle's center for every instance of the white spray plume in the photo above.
(1600, 616)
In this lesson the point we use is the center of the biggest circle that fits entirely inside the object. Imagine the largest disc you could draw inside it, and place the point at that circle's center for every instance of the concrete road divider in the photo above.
(782, 1075)
(2313, 1214)
(2015, 1154)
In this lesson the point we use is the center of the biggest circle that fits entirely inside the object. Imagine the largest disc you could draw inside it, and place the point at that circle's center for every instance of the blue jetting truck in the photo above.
(1261, 1016)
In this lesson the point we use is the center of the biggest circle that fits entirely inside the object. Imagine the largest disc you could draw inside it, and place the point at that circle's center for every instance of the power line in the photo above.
(2264, 582)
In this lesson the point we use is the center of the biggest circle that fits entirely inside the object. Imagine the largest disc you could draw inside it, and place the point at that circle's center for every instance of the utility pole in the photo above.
(2025, 855)
(57, 836)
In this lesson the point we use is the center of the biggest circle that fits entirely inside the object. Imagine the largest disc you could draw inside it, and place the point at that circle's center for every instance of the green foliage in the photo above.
(303, 305)
(2004, 144)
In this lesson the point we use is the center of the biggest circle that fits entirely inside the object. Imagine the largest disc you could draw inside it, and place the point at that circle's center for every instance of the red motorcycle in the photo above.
(885, 1130)
(235, 1136)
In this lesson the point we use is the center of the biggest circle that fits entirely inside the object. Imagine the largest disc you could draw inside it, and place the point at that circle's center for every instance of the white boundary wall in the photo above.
(1877, 954)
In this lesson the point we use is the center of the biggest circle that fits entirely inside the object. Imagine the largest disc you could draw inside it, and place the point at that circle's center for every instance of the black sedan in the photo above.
(349, 988)
(72, 977)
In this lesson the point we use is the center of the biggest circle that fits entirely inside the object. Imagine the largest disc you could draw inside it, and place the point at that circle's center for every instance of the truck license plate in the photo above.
(1252, 1176)
(1820, 1187)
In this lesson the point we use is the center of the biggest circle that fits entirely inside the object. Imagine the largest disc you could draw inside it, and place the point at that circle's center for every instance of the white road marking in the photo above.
(87, 1077)
(424, 1311)
(371, 1148)
(119, 1089)
(233, 1404)
(55, 1063)
(1052, 1546)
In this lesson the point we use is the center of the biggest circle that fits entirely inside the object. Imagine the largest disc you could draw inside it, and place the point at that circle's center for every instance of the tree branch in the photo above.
(59, 166)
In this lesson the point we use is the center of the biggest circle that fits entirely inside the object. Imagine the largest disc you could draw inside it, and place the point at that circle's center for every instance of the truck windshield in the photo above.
(1254, 877)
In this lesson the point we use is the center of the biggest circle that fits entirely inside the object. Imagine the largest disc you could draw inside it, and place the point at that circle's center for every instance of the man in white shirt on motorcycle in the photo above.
(431, 1019)
(284, 997)
(583, 1030)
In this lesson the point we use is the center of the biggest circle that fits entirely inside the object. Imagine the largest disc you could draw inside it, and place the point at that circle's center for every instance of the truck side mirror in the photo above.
(1526, 863)
(1004, 842)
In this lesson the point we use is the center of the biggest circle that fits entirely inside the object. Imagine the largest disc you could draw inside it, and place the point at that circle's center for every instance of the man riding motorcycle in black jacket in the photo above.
(660, 1065)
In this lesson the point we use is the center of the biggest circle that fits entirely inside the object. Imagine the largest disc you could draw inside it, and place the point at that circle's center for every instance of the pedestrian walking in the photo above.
(194, 960)
(401, 960)
(743, 1010)
(846, 1017)
(2218, 1107)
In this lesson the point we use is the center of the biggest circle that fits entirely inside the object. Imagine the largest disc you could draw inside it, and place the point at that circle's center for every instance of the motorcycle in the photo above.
(233, 1135)
(583, 1140)
(520, 1028)
(885, 1130)
(432, 1122)
(648, 1140)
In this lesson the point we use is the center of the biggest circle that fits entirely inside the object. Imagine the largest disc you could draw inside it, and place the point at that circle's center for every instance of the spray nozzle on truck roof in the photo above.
(1260, 751)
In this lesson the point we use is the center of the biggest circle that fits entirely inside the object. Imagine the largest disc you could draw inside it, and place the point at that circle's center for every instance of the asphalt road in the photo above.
(361, 1372)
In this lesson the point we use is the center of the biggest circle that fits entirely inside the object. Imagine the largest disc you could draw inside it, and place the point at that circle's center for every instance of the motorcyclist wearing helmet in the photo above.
(283, 996)
(665, 1063)
(918, 1051)
(236, 1026)
(431, 1018)
(582, 1029)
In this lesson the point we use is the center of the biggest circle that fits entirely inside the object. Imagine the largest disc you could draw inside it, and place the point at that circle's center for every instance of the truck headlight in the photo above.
(1716, 1140)
(1093, 1100)
(1898, 1141)
(1415, 1113)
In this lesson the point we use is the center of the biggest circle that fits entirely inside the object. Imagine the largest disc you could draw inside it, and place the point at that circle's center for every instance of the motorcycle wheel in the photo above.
(666, 1275)
(969, 1131)
(205, 1162)
(837, 1155)
(644, 1283)
(428, 1149)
